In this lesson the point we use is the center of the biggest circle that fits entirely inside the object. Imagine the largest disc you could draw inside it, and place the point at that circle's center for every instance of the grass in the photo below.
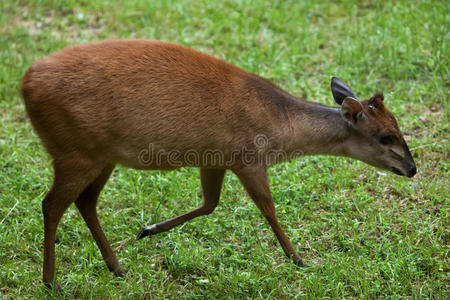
(364, 233)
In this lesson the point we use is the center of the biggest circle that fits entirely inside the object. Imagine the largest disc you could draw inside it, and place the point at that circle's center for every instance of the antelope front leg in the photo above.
(256, 183)
(211, 184)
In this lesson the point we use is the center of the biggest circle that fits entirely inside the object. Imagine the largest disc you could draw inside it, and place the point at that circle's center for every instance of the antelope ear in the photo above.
(352, 111)
(341, 90)
(375, 100)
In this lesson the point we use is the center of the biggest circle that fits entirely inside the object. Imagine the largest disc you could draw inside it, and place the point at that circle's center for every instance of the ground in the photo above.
(364, 233)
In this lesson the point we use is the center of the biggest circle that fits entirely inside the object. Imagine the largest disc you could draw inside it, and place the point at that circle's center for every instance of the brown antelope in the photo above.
(147, 104)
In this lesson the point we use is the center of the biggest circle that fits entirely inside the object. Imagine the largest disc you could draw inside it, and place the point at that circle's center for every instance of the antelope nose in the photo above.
(412, 171)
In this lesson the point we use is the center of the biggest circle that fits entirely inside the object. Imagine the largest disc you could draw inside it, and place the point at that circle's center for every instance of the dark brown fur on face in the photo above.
(127, 102)
(382, 127)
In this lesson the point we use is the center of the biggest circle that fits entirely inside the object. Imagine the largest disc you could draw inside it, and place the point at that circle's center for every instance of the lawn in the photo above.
(364, 233)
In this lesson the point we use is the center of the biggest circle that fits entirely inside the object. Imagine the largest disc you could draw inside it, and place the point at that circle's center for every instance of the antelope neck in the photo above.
(318, 129)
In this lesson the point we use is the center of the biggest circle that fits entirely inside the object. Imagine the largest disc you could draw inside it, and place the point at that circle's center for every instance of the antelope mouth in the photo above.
(396, 171)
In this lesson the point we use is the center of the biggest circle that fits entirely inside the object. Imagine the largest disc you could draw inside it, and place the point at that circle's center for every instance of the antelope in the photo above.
(101, 104)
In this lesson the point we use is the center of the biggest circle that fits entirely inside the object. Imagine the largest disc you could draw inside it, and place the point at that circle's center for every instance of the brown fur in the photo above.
(102, 104)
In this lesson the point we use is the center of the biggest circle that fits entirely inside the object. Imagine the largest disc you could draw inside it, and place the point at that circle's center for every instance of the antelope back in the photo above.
(114, 99)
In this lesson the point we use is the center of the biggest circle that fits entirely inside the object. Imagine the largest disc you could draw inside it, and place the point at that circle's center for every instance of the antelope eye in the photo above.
(387, 139)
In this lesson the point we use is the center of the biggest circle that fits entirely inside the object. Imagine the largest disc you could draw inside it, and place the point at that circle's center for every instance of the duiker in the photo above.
(147, 104)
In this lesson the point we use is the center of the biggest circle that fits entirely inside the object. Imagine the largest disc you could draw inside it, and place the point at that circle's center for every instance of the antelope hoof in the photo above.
(53, 286)
(298, 261)
(119, 272)
(147, 230)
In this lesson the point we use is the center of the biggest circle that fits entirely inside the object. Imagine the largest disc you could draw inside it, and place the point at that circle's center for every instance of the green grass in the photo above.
(365, 234)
